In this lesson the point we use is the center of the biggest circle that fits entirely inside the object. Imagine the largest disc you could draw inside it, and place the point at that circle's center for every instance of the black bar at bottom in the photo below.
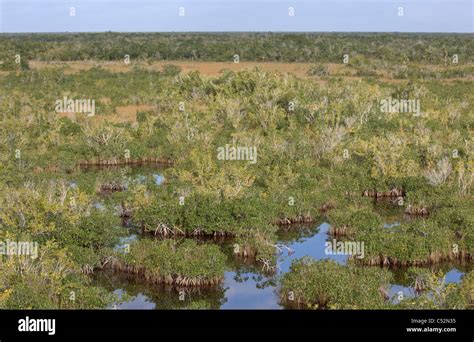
(416, 324)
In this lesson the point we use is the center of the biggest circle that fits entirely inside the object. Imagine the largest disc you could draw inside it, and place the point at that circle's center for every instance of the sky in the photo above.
(237, 15)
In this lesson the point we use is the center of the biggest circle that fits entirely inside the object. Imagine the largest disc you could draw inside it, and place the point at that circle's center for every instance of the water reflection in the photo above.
(247, 287)
(123, 175)
(403, 284)
(136, 294)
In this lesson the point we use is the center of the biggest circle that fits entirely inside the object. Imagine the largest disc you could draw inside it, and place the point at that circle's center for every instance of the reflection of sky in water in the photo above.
(159, 179)
(140, 301)
(248, 291)
(453, 276)
(391, 225)
(124, 241)
(99, 205)
(247, 295)
(313, 246)
(396, 290)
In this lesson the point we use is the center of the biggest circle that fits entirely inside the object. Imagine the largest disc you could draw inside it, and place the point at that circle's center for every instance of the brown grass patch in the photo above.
(215, 68)
(129, 113)
(205, 68)
(123, 113)
(69, 115)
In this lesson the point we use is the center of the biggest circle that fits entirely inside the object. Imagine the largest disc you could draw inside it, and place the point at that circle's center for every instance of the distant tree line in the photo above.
(277, 47)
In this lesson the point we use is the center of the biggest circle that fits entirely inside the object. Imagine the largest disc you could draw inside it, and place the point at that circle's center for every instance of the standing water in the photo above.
(245, 286)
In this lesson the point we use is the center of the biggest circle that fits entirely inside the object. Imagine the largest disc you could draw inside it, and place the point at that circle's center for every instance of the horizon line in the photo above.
(110, 31)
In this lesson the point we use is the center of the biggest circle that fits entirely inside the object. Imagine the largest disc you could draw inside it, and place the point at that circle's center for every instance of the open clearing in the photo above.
(205, 68)
(213, 69)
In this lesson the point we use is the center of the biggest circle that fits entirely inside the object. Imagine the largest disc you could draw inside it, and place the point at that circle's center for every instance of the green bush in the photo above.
(314, 284)
(166, 258)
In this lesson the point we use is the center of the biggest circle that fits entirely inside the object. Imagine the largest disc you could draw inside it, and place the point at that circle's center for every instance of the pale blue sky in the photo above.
(236, 15)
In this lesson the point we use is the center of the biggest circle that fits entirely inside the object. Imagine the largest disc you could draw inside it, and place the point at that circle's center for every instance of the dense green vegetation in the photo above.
(185, 264)
(436, 294)
(325, 284)
(314, 284)
(321, 142)
(289, 47)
